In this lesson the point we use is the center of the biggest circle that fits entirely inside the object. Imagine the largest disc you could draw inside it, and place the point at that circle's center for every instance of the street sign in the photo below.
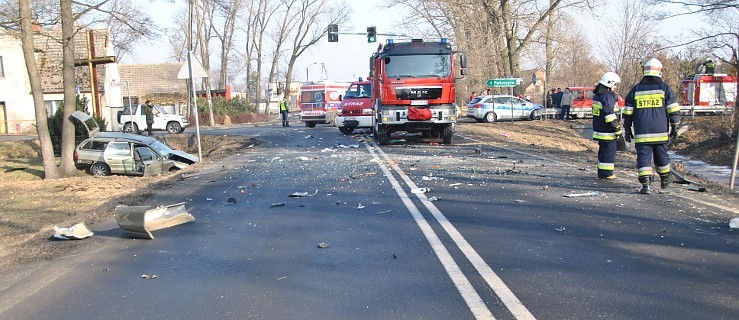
(505, 82)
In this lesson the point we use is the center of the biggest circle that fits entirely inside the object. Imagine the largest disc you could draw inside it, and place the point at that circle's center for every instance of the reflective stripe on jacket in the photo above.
(283, 106)
(651, 107)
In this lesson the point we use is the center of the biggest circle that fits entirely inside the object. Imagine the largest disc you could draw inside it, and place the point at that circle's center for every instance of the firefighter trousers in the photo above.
(606, 158)
(644, 153)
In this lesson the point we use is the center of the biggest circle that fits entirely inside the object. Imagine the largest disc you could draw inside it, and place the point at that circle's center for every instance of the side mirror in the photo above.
(463, 60)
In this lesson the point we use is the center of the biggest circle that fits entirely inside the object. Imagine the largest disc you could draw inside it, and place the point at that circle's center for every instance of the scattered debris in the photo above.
(149, 276)
(323, 245)
(396, 140)
(14, 169)
(304, 158)
(505, 134)
(309, 136)
(140, 221)
(231, 201)
(302, 194)
(360, 207)
(478, 151)
(196, 174)
(277, 204)
(520, 201)
(586, 194)
(434, 198)
(281, 278)
(420, 190)
(384, 212)
(455, 184)
(545, 187)
(560, 229)
(275, 158)
(734, 223)
(425, 178)
(75, 232)
(698, 188)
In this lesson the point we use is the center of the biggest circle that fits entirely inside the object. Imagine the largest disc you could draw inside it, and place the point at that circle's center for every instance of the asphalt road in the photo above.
(495, 237)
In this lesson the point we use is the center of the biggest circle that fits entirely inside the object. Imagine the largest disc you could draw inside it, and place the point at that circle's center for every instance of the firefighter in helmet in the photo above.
(709, 66)
(653, 112)
(606, 123)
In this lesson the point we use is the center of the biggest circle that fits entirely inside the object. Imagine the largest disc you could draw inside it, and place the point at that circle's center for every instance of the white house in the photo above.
(16, 103)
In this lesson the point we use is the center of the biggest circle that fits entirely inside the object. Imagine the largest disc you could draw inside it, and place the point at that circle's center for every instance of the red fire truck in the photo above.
(582, 102)
(319, 101)
(356, 107)
(708, 94)
(413, 88)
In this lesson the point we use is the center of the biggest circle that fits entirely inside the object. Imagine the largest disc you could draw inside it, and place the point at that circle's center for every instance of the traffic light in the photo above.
(371, 34)
(333, 33)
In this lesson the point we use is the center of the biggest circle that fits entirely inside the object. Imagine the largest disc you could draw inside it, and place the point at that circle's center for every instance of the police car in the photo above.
(492, 108)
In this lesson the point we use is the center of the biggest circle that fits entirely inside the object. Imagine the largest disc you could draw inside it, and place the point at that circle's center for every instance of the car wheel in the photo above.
(490, 117)
(382, 138)
(447, 134)
(346, 130)
(174, 127)
(535, 115)
(130, 127)
(99, 169)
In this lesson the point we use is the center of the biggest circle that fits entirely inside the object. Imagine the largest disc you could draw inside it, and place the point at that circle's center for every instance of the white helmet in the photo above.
(610, 79)
(653, 67)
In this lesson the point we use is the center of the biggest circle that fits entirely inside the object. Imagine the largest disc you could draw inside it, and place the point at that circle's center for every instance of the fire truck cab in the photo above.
(319, 101)
(355, 110)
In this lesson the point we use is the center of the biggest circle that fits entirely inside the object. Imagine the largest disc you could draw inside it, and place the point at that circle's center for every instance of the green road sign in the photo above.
(505, 82)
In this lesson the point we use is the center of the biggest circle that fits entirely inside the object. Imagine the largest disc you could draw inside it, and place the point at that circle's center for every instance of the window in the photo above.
(118, 149)
(95, 145)
(52, 106)
(2, 68)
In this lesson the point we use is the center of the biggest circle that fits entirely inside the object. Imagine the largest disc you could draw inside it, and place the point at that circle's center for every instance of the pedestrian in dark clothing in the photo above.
(283, 113)
(557, 100)
(149, 110)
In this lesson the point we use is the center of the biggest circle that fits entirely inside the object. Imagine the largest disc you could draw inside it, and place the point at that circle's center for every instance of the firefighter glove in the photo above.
(628, 134)
(618, 131)
(673, 130)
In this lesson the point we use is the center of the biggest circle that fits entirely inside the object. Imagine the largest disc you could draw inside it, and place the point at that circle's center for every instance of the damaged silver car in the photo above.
(106, 153)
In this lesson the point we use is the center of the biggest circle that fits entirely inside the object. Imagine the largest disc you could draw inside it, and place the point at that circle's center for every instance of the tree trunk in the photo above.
(67, 166)
(47, 150)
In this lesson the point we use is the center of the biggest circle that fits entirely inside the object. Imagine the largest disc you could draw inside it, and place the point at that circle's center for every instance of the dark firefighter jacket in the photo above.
(605, 114)
(651, 107)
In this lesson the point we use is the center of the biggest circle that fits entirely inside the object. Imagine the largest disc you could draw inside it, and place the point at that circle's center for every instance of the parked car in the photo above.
(492, 108)
(106, 153)
(162, 120)
(582, 102)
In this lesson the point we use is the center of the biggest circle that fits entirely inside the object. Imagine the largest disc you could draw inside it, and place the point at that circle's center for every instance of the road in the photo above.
(494, 238)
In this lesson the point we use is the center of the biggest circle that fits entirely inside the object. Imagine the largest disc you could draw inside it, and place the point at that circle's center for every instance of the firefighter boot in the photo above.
(665, 180)
(644, 184)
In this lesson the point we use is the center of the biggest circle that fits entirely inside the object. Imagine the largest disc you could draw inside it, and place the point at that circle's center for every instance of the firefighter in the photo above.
(606, 124)
(283, 112)
(709, 67)
(653, 112)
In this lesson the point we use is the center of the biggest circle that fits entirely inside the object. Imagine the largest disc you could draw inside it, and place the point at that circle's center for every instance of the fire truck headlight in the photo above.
(366, 111)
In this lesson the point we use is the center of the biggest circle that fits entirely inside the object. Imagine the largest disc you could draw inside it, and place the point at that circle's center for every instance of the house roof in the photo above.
(48, 44)
(147, 79)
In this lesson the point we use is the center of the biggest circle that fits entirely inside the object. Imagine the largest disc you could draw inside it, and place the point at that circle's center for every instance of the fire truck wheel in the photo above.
(426, 134)
(346, 130)
(447, 134)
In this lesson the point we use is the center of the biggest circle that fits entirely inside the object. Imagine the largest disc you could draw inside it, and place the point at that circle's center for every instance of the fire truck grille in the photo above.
(418, 93)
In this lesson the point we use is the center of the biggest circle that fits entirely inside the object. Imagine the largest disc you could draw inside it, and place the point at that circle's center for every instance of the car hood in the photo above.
(181, 156)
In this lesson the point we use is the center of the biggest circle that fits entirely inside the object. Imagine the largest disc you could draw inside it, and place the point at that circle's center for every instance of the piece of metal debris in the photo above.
(520, 201)
(140, 221)
(560, 229)
(698, 188)
(360, 207)
(278, 204)
(420, 190)
(302, 194)
(434, 198)
(149, 276)
(231, 201)
(585, 194)
(14, 169)
(384, 212)
(455, 184)
(75, 232)
(323, 245)
(734, 223)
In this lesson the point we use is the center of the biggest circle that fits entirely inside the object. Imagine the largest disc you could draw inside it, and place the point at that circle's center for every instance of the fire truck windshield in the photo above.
(418, 66)
(358, 91)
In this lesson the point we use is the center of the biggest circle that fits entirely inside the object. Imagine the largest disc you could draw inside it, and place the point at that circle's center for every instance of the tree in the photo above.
(47, 151)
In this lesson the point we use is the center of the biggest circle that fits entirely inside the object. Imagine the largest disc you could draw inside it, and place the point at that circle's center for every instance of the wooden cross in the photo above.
(91, 62)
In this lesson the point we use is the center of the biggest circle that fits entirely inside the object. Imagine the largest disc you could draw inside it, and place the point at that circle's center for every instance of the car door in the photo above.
(119, 158)
(148, 162)
(519, 110)
(503, 107)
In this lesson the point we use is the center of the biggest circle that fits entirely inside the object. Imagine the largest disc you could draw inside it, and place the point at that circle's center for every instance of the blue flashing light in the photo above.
(389, 41)
(443, 40)
(360, 78)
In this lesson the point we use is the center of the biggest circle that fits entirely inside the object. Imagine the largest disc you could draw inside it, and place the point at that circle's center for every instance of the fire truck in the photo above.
(319, 101)
(355, 110)
(413, 88)
(582, 102)
(707, 94)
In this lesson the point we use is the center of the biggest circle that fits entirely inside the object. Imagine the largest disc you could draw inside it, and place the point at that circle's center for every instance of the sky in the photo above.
(348, 59)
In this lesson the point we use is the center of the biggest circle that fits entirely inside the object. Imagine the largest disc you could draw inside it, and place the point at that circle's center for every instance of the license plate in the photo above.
(349, 118)
(419, 102)
(310, 114)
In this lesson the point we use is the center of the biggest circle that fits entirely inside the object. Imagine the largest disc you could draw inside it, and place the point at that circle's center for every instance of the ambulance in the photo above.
(319, 101)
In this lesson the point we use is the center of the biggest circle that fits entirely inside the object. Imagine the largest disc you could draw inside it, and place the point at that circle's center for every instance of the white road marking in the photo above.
(493, 280)
(468, 293)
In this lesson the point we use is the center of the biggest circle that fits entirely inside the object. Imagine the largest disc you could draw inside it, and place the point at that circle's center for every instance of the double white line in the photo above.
(470, 296)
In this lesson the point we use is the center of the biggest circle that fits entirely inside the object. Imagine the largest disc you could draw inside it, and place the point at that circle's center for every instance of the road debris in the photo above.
(231, 201)
(275, 158)
(323, 245)
(734, 223)
(302, 194)
(76, 232)
(520, 201)
(140, 221)
(149, 276)
(277, 204)
(434, 198)
(384, 212)
(303, 158)
(420, 190)
(426, 178)
(14, 169)
(360, 207)
(455, 184)
(698, 188)
(560, 229)
(585, 194)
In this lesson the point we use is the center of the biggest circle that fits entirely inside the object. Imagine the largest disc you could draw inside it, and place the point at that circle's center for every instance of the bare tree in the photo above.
(227, 12)
(47, 150)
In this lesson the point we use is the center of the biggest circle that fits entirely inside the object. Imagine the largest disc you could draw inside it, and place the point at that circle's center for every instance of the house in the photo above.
(157, 82)
(95, 67)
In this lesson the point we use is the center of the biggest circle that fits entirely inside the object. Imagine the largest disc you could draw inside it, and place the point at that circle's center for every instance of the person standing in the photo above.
(566, 102)
(606, 124)
(709, 67)
(653, 112)
(283, 112)
(472, 96)
(557, 100)
(149, 110)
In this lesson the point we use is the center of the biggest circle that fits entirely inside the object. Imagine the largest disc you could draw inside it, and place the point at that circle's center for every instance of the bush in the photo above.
(239, 110)
(80, 133)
